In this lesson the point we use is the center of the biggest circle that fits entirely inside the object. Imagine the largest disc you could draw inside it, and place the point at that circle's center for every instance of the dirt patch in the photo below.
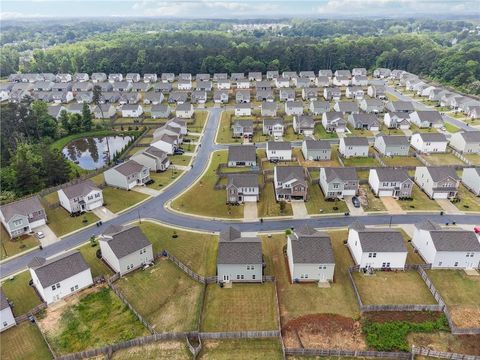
(410, 316)
(324, 331)
(444, 341)
(466, 316)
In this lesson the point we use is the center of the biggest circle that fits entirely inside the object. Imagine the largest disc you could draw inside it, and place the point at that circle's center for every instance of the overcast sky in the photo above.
(12, 9)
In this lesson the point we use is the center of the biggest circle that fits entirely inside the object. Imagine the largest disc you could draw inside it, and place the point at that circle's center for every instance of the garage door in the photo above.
(249, 198)
(442, 195)
(385, 193)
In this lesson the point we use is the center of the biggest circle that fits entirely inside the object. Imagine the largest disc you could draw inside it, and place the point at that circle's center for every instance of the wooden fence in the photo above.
(351, 353)
(21, 318)
(443, 355)
(197, 277)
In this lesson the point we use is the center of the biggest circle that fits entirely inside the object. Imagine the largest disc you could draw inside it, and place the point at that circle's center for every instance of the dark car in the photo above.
(179, 152)
(355, 202)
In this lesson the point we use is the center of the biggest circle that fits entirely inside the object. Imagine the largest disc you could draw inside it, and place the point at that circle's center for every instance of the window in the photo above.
(58, 285)
(5, 323)
(374, 255)
(253, 277)
(72, 289)
(369, 255)
(439, 263)
(76, 287)
(17, 222)
(238, 277)
(456, 263)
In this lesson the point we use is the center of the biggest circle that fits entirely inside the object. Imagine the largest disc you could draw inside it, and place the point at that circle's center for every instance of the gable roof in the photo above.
(432, 137)
(127, 241)
(235, 249)
(242, 153)
(391, 174)
(455, 240)
(379, 240)
(80, 189)
(317, 144)
(287, 173)
(438, 173)
(3, 301)
(243, 180)
(355, 141)
(129, 167)
(471, 136)
(394, 139)
(344, 174)
(21, 207)
(311, 247)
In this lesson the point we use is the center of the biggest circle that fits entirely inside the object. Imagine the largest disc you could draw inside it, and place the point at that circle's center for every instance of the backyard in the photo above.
(22, 295)
(443, 159)
(23, 342)
(255, 349)
(160, 350)
(97, 266)
(366, 161)
(401, 161)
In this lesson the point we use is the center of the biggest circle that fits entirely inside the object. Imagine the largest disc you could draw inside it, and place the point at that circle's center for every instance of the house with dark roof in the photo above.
(23, 216)
(338, 182)
(290, 183)
(447, 248)
(318, 107)
(274, 127)
(397, 120)
(287, 94)
(332, 93)
(184, 111)
(354, 146)
(126, 250)
(242, 128)
(269, 108)
(333, 121)
(429, 142)
(220, 96)
(265, 95)
(294, 108)
(314, 150)
(153, 158)
(60, 276)
(426, 119)
(242, 155)
(303, 124)
(390, 182)
(152, 98)
(310, 256)
(346, 107)
(467, 142)
(244, 109)
(159, 111)
(376, 248)
(374, 106)
(239, 259)
(279, 151)
(364, 121)
(392, 145)
(471, 179)
(400, 106)
(242, 96)
(131, 110)
(80, 197)
(127, 175)
(438, 182)
(242, 188)
(165, 142)
(6, 315)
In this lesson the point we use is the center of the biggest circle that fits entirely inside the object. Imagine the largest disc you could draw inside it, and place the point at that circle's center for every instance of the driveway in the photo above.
(299, 209)
(50, 236)
(407, 132)
(448, 207)
(250, 211)
(103, 213)
(146, 190)
(352, 209)
(392, 206)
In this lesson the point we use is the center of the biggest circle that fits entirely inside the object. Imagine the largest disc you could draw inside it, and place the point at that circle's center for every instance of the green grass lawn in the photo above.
(254, 349)
(387, 131)
(240, 308)
(401, 161)
(358, 132)
(451, 128)
(420, 201)
(461, 294)
(302, 299)
(203, 199)
(415, 129)
(443, 159)
(360, 161)
(268, 205)
(161, 350)
(363, 174)
(164, 178)
(99, 318)
(290, 135)
(183, 160)
(22, 295)
(403, 287)
(473, 158)
(468, 201)
(14, 246)
(199, 120)
(23, 342)
(145, 141)
(317, 204)
(136, 149)
(117, 199)
(97, 266)
(374, 203)
(196, 250)
(321, 133)
(174, 299)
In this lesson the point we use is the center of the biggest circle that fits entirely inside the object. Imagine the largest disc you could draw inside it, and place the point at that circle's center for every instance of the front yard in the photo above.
(199, 120)
(11, 247)
(116, 199)
(23, 296)
(164, 178)
(468, 201)
(373, 203)
(268, 205)
(420, 201)
(23, 342)
(61, 223)
(317, 204)
(224, 132)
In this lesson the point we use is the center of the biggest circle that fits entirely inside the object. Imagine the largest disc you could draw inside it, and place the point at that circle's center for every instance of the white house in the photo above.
(127, 175)
(279, 151)
(397, 120)
(60, 276)
(310, 256)
(376, 248)
(471, 179)
(392, 145)
(184, 111)
(132, 110)
(294, 108)
(439, 182)
(166, 143)
(83, 196)
(390, 182)
(153, 158)
(429, 142)
(125, 249)
(244, 109)
(338, 182)
(6, 315)
(274, 127)
(447, 248)
(315, 150)
(426, 119)
(303, 124)
(467, 142)
(354, 146)
(23, 216)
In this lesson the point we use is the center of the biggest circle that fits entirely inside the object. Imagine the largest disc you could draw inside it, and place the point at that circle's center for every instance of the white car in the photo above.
(40, 235)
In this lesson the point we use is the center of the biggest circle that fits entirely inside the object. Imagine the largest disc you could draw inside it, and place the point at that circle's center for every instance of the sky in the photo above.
(16, 9)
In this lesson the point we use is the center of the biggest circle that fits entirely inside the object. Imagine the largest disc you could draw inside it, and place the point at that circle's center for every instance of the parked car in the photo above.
(179, 151)
(40, 235)
(355, 202)
(476, 229)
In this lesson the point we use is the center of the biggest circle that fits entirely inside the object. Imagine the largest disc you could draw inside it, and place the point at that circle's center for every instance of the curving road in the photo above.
(154, 209)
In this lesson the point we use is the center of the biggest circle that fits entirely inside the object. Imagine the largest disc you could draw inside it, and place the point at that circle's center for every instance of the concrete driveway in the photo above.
(103, 213)
(448, 207)
(250, 211)
(50, 236)
(146, 190)
(352, 209)
(392, 206)
(299, 209)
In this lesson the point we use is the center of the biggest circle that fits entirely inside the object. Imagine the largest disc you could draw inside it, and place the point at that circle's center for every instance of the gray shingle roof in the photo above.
(431, 116)
(21, 207)
(229, 233)
(235, 249)
(243, 180)
(455, 240)
(471, 136)
(402, 106)
(344, 174)
(271, 122)
(428, 225)
(312, 248)
(129, 167)
(347, 106)
(127, 242)
(433, 137)
(59, 268)
(81, 189)
(355, 141)
(381, 240)
(3, 301)
(394, 139)
(317, 144)
(242, 153)
(438, 173)
(389, 174)
(279, 145)
(287, 173)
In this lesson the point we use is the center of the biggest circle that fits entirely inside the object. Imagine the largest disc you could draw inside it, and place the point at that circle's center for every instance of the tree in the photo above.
(97, 95)
(87, 121)
(46, 125)
(76, 123)
(55, 167)
(27, 166)
(65, 121)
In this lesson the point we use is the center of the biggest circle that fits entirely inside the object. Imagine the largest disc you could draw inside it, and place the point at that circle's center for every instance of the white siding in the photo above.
(7, 319)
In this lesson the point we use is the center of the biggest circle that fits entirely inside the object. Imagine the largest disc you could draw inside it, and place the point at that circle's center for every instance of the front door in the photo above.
(226, 278)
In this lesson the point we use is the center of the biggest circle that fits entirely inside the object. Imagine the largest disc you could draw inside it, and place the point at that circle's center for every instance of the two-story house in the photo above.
(127, 175)
(392, 145)
(390, 182)
(303, 124)
(290, 183)
(23, 216)
(338, 182)
(80, 197)
(279, 151)
(315, 150)
(274, 127)
(429, 142)
(242, 188)
(467, 142)
(354, 146)
(153, 158)
(438, 182)
(242, 155)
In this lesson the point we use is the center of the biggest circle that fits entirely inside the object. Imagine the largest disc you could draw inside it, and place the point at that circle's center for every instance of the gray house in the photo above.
(333, 121)
(346, 107)
(23, 216)
(220, 96)
(316, 150)
(287, 95)
(338, 182)
(290, 183)
(319, 107)
(390, 182)
(354, 146)
(364, 121)
(303, 124)
(372, 106)
(310, 256)
(127, 175)
(242, 128)
(125, 250)
(392, 145)
(159, 111)
(269, 109)
(400, 106)
(265, 95)
(439, 182)
(471, 179)
(242, 96)
(154, 159)
(242, 155)
(274, 127)
(467, 142)
(242, 188)
(239, 259)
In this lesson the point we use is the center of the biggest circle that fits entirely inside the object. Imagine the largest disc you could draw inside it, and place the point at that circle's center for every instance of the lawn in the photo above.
(254, 349)
(97, 319)
(268, 205)
(321, 133)
(415, 129)
(196, 250)
(317, 204)
(174, 299)
(444, 341)
(22, 295)
(23, 342)
(117, 199)
(203, 199)
(136, 149)
(366, 161)
(183, 160)
(451, 128)
(302, 299)
(374, 203)
(164, 178)
(240, 308)
(461, 294)
(403, 287)
(199, 120)
(468, 201)
(161, 350)
(358, 132)
(473, 158)
(420, 201)
(443, 159)
(97, 266)
(363, 174)
(14, 246)
(401, 161)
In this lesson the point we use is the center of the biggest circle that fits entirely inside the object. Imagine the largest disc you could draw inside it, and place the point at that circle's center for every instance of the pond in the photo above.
(91, 153)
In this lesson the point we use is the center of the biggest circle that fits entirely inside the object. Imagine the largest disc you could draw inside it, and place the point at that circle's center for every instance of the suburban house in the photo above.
(274, 127)
(279, 151)
(237, 76)
(471, 179)
(125, 249)
(354, 92)
(242, 128)
(166, 143)
(6, 315)
(354, 146)
(198, 96)
(382, 73)
(314, 150)
(390, 182)
(242, 96)
(290, 183)
(294, 108)
(242, 155)
(244, 109)
(310, 94)
(243, 84)
(397, 120)
(127, 175)
(310, 255)
(346, 107)
(359, 72)
(239, 259)
(224, 84)
(184, 111)
(23, 216)
(338, 182)
(341, 80)
(150, 78)
(178, 97)
(467, 142)
(152, 158)
(282, 82)
(333, 93)
(104, 111)
(272, 74)
(269, 109)
(426, 119)
(265, 95)
(303, 124)
(325, 72)
(81, 77)
(446, 248)
(80, 197)
(429, 142)
(159, 111)
(184, 85)
(220, 96)
(364, 121)
(132, 110)
(60, 276)
(440, 182)
(242, 188)
(168, 77)
(287, 94)
(255, 76)
(360, 80)
(377, 91)
(263, 85)
(153, 97)
(372, 106)
(318, 107)
(392, 145)
(376, 248)
(400, 106)
(333, 121)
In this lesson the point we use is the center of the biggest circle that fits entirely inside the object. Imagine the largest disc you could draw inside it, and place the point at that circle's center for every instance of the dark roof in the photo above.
(127, 242)
(344, 174)
(402, 106)
(242, 153)
(151, 150)
(21, 207)
(455, 240)
(312, 247)
(432, 137)
(229, 233)
(279, 145)
(287, 173)
(429, 115)
(347, 106)
(3, 301)
(243, 180)
(274, 121)
(129, 167)
(355, 141)
(112, 229)
(59, 268)
(394, 139)
(390, 174)
(471, 136)
(317, 144)
(81, 189)
(242, 250)
(439, 173)
(381, 240)
(428, 225)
